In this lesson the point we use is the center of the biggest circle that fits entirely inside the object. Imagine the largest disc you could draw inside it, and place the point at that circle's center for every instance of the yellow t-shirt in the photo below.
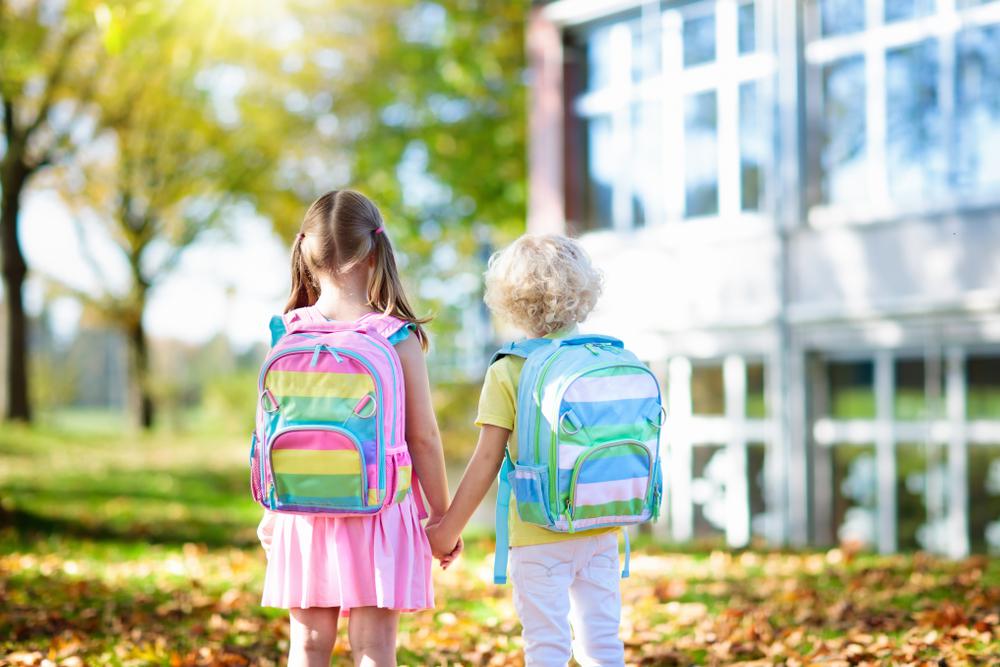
(498, 407)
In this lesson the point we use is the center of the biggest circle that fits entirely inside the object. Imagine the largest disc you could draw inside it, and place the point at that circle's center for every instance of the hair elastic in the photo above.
(301, 236)
(379, 229)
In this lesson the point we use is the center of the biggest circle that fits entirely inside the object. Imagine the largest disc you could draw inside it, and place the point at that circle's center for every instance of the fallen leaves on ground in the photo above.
(192, 605)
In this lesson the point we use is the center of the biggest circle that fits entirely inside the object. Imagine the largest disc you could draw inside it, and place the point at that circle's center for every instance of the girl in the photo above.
(344, 269)
(544, 285)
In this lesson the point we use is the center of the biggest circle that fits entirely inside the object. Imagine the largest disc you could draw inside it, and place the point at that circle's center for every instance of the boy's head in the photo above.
(542, 284)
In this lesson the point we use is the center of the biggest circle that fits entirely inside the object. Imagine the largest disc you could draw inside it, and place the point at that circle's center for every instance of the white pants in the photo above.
(573, 582)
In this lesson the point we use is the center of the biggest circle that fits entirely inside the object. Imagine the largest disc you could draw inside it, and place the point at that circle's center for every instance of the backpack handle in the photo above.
(596, 339)
(327, 327)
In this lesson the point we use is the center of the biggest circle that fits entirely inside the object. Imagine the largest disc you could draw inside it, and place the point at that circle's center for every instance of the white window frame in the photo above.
(874, 42)
(951, 431)
(733, 431)
(670, 86)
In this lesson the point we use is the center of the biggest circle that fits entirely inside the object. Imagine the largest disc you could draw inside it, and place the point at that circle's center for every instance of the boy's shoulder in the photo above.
(505, 370)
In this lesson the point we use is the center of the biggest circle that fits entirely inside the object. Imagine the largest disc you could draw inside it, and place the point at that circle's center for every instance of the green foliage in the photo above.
(229, 400)
(455, 405)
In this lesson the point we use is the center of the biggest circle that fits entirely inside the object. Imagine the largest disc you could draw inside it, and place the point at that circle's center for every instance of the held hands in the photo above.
(445, 548)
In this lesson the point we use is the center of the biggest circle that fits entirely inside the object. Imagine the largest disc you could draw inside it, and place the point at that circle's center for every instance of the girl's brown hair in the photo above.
(342, 229)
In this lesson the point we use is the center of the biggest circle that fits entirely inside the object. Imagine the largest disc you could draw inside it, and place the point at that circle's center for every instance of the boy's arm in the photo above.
(478, 477)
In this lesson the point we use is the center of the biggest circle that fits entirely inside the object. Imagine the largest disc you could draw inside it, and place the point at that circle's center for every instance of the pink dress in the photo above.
(364, 561)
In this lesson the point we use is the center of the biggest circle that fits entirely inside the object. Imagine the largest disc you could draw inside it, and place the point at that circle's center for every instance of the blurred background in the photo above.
(796, 206)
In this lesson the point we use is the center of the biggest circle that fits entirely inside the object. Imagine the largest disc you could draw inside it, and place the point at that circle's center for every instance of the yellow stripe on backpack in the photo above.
(316, 462)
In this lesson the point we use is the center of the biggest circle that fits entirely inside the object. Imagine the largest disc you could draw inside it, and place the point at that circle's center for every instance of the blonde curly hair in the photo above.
(542, 284)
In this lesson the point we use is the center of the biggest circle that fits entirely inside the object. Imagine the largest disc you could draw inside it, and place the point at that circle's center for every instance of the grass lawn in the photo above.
(121, 550)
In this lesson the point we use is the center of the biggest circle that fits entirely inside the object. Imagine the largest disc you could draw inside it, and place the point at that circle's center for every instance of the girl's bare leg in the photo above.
(313, 635)
(373, 636)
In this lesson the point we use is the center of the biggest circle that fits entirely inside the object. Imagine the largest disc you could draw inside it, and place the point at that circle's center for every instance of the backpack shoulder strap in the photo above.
(520, 348)
(385, 325)
(278, 328)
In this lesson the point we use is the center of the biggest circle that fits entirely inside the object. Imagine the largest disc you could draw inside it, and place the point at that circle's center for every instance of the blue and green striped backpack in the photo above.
(589, 415)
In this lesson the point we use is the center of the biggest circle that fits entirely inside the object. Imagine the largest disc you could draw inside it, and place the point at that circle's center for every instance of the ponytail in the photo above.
(303, 287)
(385, 289)
(345, 229)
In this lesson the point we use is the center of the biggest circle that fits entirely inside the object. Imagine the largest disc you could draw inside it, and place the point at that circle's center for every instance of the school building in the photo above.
(796, 204)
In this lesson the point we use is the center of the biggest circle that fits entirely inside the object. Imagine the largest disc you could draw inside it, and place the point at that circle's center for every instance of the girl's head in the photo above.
(343, 232)
(542, 284)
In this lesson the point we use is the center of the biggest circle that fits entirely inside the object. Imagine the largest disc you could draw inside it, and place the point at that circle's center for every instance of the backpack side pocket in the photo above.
(531, 484)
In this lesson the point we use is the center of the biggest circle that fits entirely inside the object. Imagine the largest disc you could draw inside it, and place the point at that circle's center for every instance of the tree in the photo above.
(424, 106)
(48, 61)
(171, 165)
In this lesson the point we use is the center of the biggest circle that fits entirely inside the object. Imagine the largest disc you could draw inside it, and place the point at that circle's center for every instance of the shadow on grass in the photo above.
(29, 527)
(149, 506)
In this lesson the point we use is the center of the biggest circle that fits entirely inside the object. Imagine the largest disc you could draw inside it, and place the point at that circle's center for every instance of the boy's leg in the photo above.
(596, 603)
(541, 575)
(373, 636)
(313, 634)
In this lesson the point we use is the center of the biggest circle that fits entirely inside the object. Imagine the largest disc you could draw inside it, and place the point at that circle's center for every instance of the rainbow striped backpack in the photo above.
(329, 437)
(589, 415)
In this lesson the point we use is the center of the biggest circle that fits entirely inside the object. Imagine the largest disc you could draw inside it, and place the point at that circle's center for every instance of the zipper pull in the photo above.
(569, 515)
(315, 359)
(593, 349)
(336, 357)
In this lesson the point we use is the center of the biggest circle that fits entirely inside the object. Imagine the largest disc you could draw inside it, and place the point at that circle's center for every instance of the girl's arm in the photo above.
(478, 477)
(422, 433)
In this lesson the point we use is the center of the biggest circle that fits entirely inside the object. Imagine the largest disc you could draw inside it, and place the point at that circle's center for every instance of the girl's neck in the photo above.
(344, 299)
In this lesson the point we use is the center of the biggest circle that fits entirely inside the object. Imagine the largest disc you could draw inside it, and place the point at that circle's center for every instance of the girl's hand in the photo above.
(265, 531)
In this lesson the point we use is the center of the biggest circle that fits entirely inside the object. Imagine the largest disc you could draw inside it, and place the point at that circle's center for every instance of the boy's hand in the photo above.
(444, 548)
(450, 558)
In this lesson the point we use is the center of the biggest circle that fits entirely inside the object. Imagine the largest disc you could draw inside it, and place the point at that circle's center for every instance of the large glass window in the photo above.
(982, 376)
(978, 107)
(756, 404)
(909, 402)
(915, 159)
(888, 135)
(851, 388)
(926, 443)
(600, 166)
(671, 82)
(839, 17)
(754, 147)
(699, 39)
(898, 10)
(984, 498)
(701, 153)
(709, 476)
(708, 394)
(854, 494)
(843, 151)
(748, 28)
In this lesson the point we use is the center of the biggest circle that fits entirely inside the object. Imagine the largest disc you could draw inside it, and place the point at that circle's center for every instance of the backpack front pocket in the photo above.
(318, 468)
(609, 485)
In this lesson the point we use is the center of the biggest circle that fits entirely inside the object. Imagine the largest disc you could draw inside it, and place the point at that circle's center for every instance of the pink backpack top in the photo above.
(330, 430)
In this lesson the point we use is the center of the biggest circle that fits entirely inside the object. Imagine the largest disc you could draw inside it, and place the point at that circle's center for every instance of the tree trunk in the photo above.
(15, 346)
(140, 399)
